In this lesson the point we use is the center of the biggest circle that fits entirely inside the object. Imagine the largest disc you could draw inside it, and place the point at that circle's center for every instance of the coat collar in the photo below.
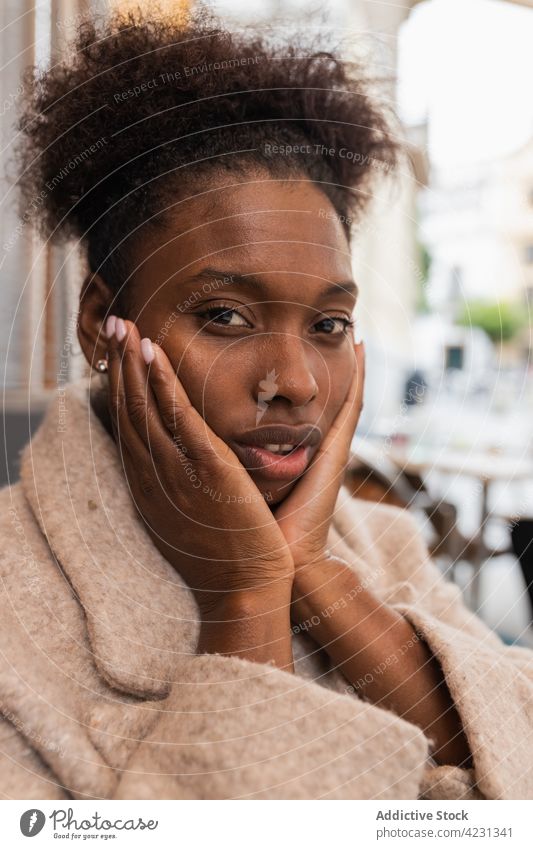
(140, 613)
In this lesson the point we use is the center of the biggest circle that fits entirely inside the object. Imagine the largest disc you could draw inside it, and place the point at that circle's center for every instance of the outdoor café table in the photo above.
(487, 468)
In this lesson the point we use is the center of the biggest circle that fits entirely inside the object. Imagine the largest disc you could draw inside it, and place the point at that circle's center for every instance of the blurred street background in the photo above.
(444, 263)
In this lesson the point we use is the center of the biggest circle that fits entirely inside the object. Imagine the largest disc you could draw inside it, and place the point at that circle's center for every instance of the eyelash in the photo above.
(224, 309)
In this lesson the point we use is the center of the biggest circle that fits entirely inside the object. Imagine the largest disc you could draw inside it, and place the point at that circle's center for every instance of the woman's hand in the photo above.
(200, 506)
(305, 515)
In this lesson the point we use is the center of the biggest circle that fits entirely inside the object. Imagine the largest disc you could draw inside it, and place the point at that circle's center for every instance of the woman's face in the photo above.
(249, 295)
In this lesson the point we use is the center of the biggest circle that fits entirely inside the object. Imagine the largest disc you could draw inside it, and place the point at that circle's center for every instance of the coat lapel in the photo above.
(140, 614)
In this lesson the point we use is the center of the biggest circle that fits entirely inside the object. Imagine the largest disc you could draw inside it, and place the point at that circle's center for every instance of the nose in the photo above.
(285, 374)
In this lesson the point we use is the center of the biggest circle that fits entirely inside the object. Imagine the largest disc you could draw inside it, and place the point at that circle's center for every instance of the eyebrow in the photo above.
(251, 281)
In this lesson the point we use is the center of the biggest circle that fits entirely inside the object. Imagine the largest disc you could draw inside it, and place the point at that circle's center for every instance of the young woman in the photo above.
(193, 606)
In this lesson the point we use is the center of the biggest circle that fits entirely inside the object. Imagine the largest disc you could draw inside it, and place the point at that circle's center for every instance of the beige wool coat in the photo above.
(102, 694)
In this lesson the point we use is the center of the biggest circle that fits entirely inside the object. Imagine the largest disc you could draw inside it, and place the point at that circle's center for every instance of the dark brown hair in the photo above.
(143, 107)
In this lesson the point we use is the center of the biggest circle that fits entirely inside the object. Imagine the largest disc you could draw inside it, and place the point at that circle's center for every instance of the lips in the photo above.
(280, 452)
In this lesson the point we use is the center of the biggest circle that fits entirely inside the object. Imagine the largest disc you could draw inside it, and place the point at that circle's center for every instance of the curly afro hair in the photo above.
(143, 107)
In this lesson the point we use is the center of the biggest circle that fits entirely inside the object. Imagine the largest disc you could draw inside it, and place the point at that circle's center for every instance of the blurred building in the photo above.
(40, 283)
(478, 225)
(513, 197)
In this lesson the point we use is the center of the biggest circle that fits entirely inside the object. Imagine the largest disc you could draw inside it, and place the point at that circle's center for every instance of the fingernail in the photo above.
(120, 329)
(147, 350)
(110, 326)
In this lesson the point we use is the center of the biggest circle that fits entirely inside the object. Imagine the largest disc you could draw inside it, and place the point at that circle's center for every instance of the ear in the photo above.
(96, 301)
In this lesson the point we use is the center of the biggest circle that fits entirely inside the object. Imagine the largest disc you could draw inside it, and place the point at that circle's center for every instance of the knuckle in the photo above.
(117, 403)
(189, 453)
(112, 354)
(173, 415)
(159, 451)
(128, 355)
(137, 410)
(146, 483)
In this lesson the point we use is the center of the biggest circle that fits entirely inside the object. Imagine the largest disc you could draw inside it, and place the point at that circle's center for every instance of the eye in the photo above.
(224, 316)
(334, 325)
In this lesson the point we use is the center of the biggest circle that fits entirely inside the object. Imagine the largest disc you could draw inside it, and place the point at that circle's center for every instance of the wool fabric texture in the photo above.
(103, 695)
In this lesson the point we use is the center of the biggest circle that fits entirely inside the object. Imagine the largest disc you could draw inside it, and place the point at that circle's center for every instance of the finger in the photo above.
(141, 404)
(135, 459)
(147, 447)
(125, 433)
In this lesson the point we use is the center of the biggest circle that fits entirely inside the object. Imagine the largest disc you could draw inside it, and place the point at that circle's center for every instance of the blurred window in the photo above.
(454, 356)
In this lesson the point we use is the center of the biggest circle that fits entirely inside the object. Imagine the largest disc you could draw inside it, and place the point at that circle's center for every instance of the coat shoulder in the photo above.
(29, 572)
(24, 549)
(16, 517)
(17, 529)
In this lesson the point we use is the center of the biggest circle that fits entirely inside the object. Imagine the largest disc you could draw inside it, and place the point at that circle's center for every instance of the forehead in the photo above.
(256, 225)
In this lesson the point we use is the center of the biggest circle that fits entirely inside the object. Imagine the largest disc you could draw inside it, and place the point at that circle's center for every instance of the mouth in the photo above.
(278, 452)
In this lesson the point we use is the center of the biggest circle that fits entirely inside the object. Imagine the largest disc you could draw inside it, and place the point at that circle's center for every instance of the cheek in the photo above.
(215, 383)
(215, 376)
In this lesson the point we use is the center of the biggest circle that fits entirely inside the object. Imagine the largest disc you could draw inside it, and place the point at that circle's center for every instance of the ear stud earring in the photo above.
(101, 366)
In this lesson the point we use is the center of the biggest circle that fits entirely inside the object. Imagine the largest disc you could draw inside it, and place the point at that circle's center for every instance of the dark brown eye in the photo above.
(224, 316)
(333, 325)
